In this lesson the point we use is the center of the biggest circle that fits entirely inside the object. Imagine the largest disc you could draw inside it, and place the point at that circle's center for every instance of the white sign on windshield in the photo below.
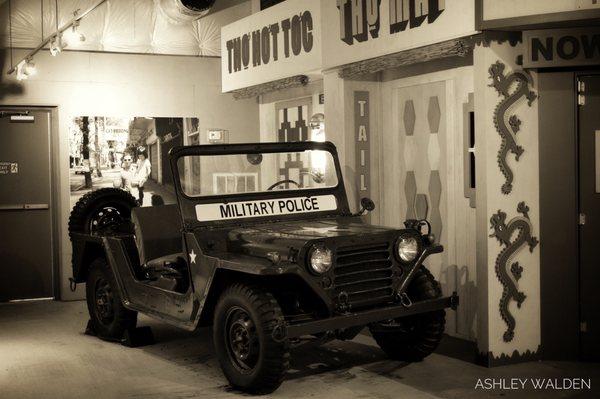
(263, 208)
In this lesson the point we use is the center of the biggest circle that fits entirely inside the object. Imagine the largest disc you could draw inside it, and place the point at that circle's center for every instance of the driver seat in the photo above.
(159, 243)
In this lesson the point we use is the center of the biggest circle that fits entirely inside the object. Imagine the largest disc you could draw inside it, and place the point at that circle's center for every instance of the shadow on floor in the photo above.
(195, 350)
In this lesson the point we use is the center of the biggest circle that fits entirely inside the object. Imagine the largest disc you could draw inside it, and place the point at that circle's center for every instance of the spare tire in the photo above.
(103, 211)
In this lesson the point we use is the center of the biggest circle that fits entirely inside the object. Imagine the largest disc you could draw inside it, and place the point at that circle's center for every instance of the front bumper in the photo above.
(367, 317)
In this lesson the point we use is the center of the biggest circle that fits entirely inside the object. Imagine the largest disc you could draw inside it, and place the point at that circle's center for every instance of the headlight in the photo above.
(408, 248)
(320, 259)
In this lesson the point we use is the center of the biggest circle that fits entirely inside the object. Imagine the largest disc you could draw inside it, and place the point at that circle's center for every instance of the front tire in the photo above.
(109, 318)
(250, 357)
(413, 338)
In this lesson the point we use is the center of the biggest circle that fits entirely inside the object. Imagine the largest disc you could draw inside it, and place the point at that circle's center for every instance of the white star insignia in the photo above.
(192, 257)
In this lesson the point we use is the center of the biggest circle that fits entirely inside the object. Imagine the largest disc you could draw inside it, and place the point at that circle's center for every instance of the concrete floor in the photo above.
(44, 354)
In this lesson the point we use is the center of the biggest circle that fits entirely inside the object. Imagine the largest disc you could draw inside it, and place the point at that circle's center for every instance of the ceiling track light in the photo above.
(56, 41)
(72, 36)
(25, 69)
(56, 45)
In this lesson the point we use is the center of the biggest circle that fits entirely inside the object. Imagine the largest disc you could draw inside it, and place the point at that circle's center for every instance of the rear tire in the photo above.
(109, 318)
(102, 211)
(251, 359)
(413, 338)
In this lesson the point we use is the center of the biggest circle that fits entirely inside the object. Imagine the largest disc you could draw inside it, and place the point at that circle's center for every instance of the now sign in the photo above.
(562, 47)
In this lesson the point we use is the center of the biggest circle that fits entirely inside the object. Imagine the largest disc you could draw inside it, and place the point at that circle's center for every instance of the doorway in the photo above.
(588, 122)
(26, 228)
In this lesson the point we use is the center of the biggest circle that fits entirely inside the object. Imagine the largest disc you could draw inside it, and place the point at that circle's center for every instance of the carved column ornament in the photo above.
(509, 272)
(508, 132)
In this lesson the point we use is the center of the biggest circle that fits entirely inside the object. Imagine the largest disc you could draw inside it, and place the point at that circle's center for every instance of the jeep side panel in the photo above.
(172, 307)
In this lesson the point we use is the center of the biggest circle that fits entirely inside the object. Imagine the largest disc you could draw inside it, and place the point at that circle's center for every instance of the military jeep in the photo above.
(261, 245)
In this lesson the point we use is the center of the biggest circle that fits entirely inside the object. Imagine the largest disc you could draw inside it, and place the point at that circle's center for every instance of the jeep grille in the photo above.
(364, 273)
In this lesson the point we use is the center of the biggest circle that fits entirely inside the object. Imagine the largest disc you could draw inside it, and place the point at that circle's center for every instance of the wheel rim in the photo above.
(241, 340)
(105, 218)
(103, 300)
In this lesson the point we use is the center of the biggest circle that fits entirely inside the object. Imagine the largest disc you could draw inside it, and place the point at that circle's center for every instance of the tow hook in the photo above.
(405, 300)
(72, 284)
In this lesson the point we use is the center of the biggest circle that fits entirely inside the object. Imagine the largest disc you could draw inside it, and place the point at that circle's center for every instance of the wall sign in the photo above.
(362, 29)
(280, 42)
(217, 136)
(562, 47)
(9, 168)
(361, 19)
(362, 142)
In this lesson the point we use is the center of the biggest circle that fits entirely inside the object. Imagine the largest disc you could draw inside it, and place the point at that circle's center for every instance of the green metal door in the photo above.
(26, 261)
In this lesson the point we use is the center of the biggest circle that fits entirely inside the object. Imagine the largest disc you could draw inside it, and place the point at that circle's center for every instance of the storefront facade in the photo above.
(439, 115)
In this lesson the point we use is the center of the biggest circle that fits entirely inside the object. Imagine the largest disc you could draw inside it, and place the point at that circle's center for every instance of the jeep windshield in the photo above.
(259, 183)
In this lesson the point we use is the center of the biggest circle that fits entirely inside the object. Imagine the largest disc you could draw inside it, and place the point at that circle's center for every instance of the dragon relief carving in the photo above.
(502, 83)
(503, 232)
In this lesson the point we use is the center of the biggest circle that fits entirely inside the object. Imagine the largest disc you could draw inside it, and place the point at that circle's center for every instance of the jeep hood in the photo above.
(287, 238)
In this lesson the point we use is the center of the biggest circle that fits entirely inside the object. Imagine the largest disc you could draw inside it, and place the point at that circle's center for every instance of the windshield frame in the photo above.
(188, 203)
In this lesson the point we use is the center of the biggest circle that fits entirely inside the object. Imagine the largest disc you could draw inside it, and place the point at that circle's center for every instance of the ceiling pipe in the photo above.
(183, 11)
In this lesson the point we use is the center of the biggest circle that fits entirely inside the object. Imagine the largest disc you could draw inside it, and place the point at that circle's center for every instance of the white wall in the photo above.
(105, 84)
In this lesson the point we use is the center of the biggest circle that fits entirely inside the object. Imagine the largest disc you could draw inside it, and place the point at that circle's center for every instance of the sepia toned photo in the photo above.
(299, 199)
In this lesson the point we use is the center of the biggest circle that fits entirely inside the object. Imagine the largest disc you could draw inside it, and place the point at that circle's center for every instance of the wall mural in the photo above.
(510, 273)
(104, 152)
(502, 83)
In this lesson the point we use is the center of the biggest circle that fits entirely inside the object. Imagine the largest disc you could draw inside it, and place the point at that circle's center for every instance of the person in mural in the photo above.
(127, 174)
(142, 172)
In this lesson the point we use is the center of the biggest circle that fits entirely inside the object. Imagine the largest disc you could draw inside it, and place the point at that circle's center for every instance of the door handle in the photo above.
(23, 207)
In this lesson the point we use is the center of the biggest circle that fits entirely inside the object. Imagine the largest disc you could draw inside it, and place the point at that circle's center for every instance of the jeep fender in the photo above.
(289, 280)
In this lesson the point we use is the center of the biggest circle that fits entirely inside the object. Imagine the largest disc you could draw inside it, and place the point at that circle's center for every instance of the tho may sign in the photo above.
(279, 42)
(363, 29)
(561, 47)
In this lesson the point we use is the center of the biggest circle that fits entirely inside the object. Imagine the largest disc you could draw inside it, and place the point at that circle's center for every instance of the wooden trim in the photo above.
(452, 48)
(257, 90)
(478, 14)
(539, 21)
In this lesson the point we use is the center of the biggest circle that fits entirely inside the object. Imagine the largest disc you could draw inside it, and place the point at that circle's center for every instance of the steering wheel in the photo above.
(282, 182)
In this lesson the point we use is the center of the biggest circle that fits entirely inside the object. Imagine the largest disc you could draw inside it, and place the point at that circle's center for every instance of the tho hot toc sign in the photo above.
(362, 29)
(561, 47)
(276, 43)
(362, 135)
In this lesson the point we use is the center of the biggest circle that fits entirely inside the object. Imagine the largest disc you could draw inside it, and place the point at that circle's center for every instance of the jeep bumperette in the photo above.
(262, 246)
